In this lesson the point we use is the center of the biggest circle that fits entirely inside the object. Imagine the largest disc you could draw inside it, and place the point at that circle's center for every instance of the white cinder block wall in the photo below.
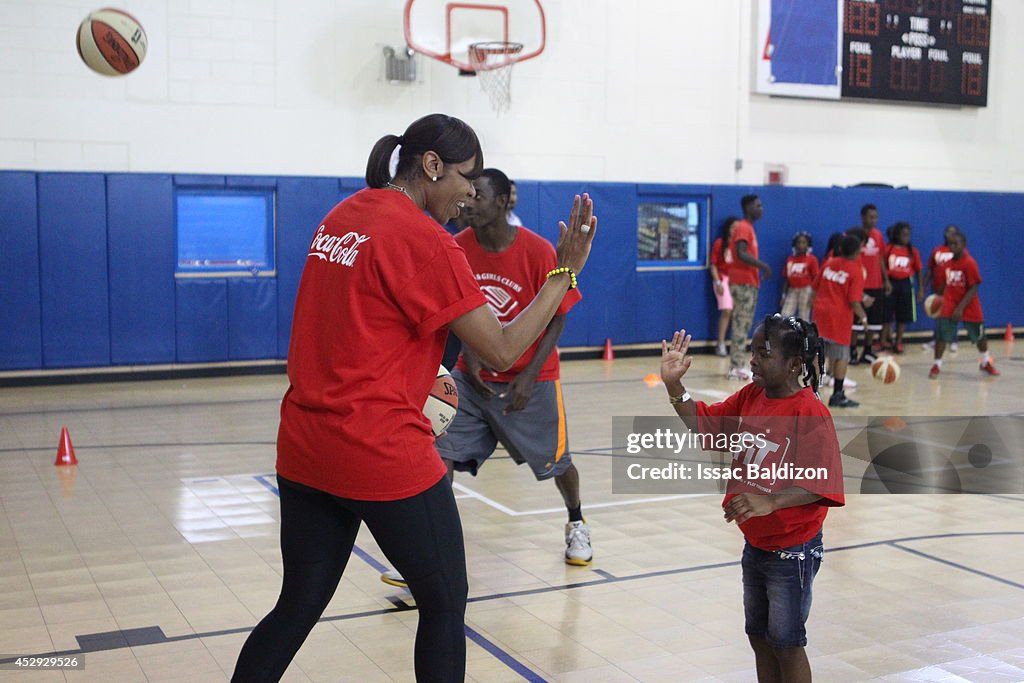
(651, 91)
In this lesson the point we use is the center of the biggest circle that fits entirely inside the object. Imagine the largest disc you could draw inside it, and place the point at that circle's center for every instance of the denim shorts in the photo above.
(777, 591)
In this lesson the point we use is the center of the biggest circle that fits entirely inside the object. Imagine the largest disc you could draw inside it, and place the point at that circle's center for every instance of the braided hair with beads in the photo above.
(798, 338)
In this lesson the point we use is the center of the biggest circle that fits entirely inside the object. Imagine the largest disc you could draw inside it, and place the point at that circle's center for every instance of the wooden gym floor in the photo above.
(159, 551)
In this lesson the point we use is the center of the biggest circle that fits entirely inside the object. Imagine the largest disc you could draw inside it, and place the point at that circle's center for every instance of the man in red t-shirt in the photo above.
(838, 293)
(521, 408)
(876, 282)
(744, 282)
(960, 302)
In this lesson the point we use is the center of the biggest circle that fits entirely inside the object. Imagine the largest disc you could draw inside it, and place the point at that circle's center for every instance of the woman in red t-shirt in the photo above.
(381, 287)
(721, 259)
(782, 515)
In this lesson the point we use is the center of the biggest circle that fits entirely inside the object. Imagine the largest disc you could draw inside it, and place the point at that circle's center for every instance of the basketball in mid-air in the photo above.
(111, 42)
(442, 403)
(933, 305)
(885, 370)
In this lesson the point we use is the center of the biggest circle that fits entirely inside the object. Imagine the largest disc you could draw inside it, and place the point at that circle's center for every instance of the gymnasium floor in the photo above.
(159, 552)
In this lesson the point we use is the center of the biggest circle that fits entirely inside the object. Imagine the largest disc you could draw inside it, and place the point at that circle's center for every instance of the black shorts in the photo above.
(901, 301)
(878, 313)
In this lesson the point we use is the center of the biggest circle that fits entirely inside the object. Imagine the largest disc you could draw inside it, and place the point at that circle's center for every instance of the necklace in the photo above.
(402, 190)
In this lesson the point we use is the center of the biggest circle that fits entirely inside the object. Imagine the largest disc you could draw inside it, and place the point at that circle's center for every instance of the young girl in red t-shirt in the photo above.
(801, 272)
(782, 521)
(904, 262)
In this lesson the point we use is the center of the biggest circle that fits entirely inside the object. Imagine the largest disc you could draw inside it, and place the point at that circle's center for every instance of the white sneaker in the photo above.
(954, 347)
(930, 346)
(742, 374)
(577, 544)
(825, 380)
(720, 351)
(393, 578)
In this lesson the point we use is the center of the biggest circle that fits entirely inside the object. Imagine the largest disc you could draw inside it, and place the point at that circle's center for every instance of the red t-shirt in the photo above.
(871, 258)
(961, 275)
(941, 255)
(382, 281)
(721, 258)
(903, 262)
(839, 284)
(801, 271)
(797, 430)
(739, 272)
(510, 280)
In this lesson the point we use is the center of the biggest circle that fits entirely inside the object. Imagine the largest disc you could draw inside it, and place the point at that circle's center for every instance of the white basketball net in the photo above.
(493, 65)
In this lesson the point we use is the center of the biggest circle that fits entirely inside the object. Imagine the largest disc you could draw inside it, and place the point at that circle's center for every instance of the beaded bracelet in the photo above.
(564, 269)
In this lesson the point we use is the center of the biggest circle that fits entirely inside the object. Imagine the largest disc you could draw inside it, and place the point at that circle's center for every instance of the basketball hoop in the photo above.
(492, 61)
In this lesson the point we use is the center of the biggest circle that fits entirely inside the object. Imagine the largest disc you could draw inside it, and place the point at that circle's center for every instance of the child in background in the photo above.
(934, 274)
(801, 272)
(838, 293)
(903, 261)
(721, 259)
(782, 521)
(960, 302)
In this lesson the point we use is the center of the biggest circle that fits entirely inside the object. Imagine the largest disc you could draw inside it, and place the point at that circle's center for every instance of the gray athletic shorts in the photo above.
(536, 435)
(834, 351)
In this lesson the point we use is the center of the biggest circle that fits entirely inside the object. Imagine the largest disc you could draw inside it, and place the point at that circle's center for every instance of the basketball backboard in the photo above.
(445, 30)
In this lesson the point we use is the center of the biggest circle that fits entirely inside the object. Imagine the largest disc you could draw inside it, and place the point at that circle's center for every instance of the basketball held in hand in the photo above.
(442, 403)
(111, 42)
(933, 305)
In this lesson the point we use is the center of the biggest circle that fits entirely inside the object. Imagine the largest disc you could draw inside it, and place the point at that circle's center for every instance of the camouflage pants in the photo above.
(744, 303)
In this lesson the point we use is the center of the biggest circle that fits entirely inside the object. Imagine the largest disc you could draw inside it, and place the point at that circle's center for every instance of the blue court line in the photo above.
(502, 656)
(958, 566)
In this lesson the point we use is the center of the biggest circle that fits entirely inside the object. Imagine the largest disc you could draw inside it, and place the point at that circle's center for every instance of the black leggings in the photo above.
(421, 537)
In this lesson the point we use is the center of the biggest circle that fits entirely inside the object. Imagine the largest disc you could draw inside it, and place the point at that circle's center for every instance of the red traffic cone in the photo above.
(1009, 332)
(65, 451)
(608, 354)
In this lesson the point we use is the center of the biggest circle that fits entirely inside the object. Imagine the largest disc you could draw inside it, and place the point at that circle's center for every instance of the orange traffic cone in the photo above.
(1009, 332)
(65, 451)
(652, 380)
(608, 354)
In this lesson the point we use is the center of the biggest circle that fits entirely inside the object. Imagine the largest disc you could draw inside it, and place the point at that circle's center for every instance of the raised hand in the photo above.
(674, 361)
(574, 241)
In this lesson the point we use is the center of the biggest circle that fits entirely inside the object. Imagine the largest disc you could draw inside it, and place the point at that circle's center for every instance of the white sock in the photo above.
(938, 363)
(985, 357)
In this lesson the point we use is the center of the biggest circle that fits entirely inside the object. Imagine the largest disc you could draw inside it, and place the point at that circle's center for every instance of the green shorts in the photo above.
(945, 330)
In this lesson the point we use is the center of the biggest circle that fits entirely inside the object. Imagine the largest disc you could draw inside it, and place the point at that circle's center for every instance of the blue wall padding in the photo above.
(73, 269)
(142, 253)
(88, 280)
(252, 318)
(202, 320)
(21, 342)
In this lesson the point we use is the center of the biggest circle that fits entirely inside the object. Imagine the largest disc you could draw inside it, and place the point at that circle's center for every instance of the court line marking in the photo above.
(607, 577)
(470, 493)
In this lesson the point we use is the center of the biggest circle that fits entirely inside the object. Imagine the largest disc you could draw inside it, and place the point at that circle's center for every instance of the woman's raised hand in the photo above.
(574, 242)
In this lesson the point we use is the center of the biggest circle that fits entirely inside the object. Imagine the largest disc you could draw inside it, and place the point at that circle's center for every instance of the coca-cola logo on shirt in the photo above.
(837, 276)
(334, 249)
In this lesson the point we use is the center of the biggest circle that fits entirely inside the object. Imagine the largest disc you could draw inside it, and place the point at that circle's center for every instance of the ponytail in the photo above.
(378, 166)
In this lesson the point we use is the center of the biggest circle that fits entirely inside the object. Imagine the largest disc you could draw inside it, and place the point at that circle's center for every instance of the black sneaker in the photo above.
(868, 357)
(840, 401)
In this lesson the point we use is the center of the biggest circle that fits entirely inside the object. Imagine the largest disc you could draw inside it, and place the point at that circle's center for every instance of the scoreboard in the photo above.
(917, 50)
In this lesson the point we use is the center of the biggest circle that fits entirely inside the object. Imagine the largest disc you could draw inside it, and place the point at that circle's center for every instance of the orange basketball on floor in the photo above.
(442, 403)
(111, 42)
(933, 305)
(885, 370)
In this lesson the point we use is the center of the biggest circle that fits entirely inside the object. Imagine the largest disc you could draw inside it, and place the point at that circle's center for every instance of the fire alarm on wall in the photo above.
(775, 174)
